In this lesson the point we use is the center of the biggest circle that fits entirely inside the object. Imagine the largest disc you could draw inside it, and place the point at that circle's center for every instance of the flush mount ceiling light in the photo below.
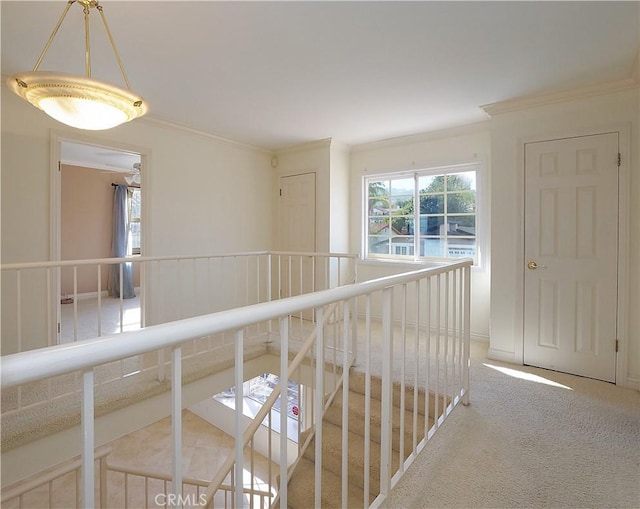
(76, 100)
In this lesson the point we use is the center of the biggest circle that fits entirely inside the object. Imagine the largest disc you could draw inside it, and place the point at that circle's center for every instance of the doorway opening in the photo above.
(94, 185)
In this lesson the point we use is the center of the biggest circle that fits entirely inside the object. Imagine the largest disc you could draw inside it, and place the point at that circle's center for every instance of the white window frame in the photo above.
(476, 166)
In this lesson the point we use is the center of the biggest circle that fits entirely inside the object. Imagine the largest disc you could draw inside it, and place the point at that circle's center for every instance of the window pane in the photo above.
(378, 206)
(402, 246)
(461, 247)
(462, 202)
(401, 203)
(378, 197)
(135, 235)
(431, 184)
(402, 186)
(432, 204)
(378, 245)
(435, 247)
(461, 181)
(431, 225)
(378, 226)
(135, 203)
(461, 225)
(402, 225)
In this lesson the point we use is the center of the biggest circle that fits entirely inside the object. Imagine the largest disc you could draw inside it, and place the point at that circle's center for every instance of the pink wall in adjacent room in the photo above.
(86, 224)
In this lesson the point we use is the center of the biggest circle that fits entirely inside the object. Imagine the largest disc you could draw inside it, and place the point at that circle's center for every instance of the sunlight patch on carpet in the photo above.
(526, 376)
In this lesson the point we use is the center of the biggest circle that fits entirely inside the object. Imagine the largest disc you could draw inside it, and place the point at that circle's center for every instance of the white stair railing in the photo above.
(439, 298)
(169, 288)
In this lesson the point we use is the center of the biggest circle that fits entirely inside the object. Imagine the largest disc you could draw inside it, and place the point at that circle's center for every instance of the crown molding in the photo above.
(174, 126)
(532, 101)
(411, 139)
(311, 145)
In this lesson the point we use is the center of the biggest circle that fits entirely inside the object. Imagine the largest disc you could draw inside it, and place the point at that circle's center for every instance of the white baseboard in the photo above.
(94, 295)
(633, 382)
(502, 355)
(481, 338)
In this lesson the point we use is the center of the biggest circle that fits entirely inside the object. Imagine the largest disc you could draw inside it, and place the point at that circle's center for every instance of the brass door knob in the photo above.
(534, 266)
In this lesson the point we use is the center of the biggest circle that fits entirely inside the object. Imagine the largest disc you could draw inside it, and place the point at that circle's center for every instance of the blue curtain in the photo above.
(119, 246)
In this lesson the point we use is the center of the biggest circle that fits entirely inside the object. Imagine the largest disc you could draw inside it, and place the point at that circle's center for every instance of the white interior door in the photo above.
(571, 255)
(298, 231)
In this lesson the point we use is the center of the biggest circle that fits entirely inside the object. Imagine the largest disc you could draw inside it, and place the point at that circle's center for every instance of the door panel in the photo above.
(298, 227)
(571, 253)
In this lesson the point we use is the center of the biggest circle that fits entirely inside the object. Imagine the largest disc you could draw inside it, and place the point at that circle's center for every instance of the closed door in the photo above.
(571, 255)
(298, 232)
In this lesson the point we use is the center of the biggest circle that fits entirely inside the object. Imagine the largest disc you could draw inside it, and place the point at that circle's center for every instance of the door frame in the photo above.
(56, 139)
(624, 195)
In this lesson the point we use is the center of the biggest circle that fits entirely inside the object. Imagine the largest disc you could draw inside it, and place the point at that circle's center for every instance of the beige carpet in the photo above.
(555, 440)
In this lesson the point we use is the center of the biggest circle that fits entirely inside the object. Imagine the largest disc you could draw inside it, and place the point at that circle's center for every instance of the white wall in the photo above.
(339, 198)
(508, 133)
(202, 195)
(454, 146)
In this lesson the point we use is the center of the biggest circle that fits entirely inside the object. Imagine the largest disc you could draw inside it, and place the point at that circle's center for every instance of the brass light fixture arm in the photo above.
(55, 31)
(87, 4)
(87, 43)
(113, 45)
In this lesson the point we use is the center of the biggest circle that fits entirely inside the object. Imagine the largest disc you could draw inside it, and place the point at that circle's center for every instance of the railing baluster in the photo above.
(143, 294)
(460, 329)
(345, 405)
(270, 456)
(49, 307)
(367, 400)
(387, 393)
(253, 472)
(467, 333)
(176, 420)
(75, 303)
(87, 418)
(437, 361)
(427, 366)
(284, 363)
(319, 406)
(99, 300)
(19, 309)
(403, 333)
(269, 297)
(454, 332)
(445, 407)
(416, 368)
(121, 297)
(239, 428)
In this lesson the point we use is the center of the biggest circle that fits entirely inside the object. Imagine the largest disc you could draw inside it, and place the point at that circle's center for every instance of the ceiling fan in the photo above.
(134, 177)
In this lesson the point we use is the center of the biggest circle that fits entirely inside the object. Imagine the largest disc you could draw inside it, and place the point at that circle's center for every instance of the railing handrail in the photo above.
(34, 365)
(138, 258)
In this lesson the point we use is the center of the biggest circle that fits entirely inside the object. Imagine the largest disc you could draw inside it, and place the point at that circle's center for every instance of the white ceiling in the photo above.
(276, 74)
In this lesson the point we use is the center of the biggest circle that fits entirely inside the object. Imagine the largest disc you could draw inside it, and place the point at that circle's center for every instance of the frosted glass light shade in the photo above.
(78, 101)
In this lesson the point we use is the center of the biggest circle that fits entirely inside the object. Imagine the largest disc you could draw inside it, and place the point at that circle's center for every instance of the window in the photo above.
(255, 394)
(445, 219)
(135, 209)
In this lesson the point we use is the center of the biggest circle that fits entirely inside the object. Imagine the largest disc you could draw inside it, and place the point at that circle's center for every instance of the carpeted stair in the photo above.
(301, 486)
